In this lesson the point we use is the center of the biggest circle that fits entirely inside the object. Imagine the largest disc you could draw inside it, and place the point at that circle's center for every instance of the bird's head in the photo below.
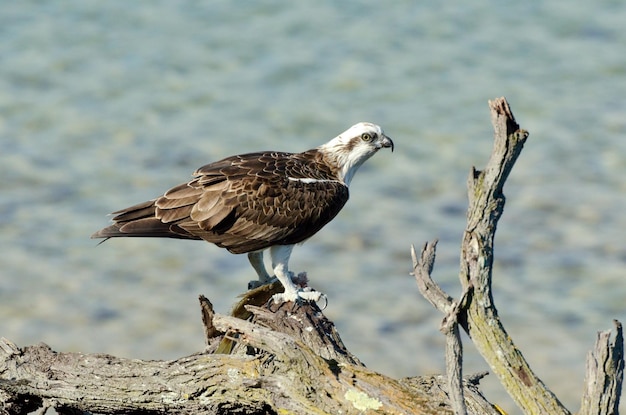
(350, 149)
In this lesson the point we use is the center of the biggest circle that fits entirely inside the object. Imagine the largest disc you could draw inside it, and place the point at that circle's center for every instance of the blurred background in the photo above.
(107, 104)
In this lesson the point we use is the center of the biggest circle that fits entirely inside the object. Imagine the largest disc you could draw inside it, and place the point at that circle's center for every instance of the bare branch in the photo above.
(454, 369)
(486, 204)
(422, 269)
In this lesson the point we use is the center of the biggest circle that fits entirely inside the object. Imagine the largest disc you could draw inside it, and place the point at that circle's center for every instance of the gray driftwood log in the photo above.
(286, 359)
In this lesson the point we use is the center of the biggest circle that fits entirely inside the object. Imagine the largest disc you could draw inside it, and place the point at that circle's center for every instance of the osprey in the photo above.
(252, 202)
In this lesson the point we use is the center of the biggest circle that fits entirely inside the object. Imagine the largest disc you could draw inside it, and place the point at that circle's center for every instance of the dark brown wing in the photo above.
(242, 203)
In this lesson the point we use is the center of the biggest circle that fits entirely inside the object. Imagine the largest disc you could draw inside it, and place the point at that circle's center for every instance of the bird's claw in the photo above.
(322, 297)
(297, 297)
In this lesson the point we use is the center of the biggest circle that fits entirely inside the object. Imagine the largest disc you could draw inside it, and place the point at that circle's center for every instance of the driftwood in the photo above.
(290, 359)
(286, 360)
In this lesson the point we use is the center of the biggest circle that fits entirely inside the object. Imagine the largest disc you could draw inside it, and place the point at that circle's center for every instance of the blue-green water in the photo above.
(105, 104)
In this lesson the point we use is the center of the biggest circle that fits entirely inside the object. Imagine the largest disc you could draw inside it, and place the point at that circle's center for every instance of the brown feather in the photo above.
(173, 215)
(168, 203)
(242, 203)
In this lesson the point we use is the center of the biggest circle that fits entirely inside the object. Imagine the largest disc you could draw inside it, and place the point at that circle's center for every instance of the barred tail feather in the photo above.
(140, 221)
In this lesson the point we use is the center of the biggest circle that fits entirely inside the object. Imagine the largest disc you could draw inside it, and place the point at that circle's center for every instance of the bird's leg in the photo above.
(256, 260)
(280, 262)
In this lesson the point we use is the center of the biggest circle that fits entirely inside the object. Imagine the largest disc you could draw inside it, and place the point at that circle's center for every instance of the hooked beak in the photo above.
(386, 142)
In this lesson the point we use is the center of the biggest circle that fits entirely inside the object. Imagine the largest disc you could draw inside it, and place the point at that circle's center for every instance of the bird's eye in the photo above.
(367, 137)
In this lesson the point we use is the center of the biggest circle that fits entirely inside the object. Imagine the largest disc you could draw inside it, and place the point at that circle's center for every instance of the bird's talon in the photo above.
(298, 297)
(325, 298)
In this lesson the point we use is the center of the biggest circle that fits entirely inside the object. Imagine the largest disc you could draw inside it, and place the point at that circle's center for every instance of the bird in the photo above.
(259, 201)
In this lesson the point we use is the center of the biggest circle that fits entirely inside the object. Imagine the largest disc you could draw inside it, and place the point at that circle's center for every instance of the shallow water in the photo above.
(106, 104)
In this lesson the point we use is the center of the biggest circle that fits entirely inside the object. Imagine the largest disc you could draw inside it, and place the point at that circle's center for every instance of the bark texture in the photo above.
(302, 368)
(605, 372)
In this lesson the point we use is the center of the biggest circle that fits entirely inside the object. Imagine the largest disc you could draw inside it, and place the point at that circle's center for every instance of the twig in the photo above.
(422, 269)
(207, 314)
(454, 369)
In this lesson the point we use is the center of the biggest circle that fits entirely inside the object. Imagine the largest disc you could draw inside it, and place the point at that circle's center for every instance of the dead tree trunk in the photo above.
(290, 359)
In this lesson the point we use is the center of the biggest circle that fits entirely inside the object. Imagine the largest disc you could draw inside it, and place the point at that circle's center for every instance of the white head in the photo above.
(350, 149)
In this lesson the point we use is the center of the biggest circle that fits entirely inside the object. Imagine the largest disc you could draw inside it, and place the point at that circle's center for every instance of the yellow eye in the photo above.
(366, 137)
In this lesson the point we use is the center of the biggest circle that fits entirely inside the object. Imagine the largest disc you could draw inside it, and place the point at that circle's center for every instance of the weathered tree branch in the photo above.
(422, 269)
(486, 204)
(476, 311)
